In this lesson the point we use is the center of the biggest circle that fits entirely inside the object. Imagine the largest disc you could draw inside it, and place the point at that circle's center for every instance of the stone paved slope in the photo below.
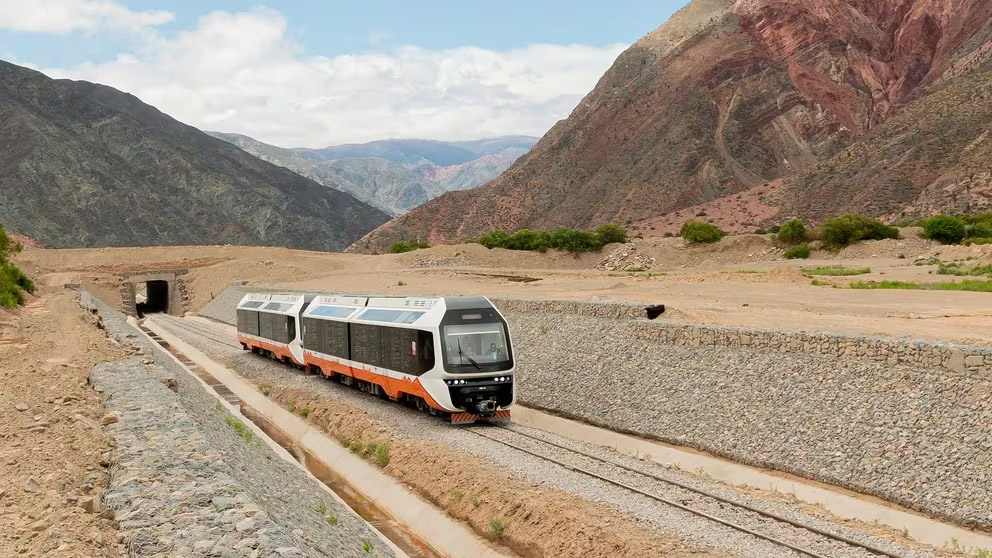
(174, 437)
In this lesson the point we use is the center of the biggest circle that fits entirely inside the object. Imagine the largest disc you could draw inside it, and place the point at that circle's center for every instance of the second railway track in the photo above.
(764, 517)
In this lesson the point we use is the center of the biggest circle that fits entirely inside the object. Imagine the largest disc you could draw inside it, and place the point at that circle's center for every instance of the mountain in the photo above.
(836, 105)
(395, 175)
(83, 165)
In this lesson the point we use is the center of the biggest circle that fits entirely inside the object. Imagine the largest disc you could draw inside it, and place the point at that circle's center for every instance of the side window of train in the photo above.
(426, 341)
(290, 329)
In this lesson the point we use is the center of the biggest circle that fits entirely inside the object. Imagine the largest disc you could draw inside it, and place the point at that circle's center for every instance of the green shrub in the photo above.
(610, 234)
(574, 240)
(407, 246)
(496, 526)
(849, 229)
(944, 229)
(775, 229)
(698, 231)
(980, 230)
(526, 239)
(792, 231)
(13, 282)
(970, 241)
(801, 251)
(495, 239)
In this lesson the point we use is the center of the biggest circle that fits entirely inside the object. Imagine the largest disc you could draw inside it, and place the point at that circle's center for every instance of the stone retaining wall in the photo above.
(904, 420)
(186, 482)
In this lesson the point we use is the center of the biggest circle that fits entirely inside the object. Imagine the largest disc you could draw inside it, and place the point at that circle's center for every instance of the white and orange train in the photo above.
(450, 356)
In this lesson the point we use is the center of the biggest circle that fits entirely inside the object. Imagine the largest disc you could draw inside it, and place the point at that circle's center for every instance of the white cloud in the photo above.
(240, 73)
(64, 16)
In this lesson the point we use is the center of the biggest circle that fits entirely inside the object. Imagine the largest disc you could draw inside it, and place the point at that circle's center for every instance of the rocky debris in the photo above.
(109, 418)
(21, 407)
(31, 485)
(427, 263)
(626, 257)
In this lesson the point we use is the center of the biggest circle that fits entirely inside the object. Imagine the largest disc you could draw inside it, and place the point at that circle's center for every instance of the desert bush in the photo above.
(801, 251)
(567, 239)
(980, 230)
(849, 229)
(407, 246)
(698, 231)
(792, 231)
(495, 239)
(13, 282)
(609, 234)
(774, 229)
(944, 229)
(574, 240)
(526, 239)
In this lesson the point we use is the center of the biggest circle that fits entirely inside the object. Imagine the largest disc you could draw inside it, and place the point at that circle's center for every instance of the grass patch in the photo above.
(835, 270)
(382, 455)
(744, 272)
(355, 447)
(497, 525)
(304, 412)
(320, 507)
(240, 429)
(955, 268)
(457, 493)
(266, 389)
(973, 285)
(475, 502)
(400, 284)
(332, 520)
(634, 269)
(367, 546)
(818, 283)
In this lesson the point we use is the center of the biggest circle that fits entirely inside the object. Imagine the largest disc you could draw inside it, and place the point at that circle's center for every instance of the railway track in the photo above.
(685, 504)
(690, 500)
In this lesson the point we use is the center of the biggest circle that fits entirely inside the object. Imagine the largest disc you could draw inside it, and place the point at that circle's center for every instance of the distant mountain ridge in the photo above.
(394, 175)
(83, 164)
(765, 110)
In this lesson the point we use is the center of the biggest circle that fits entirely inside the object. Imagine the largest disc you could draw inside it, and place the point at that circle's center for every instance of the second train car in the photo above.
(450, 356)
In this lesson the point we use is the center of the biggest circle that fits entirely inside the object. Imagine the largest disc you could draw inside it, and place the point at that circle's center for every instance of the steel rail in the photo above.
(662, 499)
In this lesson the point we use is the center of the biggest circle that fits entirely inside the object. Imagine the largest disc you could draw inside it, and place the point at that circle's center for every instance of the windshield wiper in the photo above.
(470, 359)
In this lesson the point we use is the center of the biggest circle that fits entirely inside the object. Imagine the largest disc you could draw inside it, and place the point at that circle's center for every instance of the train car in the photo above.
(450, 356)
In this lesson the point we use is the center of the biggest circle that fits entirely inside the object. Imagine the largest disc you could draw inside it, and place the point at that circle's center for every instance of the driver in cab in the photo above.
(494, 353)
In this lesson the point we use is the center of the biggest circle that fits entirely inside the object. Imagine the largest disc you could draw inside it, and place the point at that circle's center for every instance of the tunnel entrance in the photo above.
(156, 298)
(154, 292)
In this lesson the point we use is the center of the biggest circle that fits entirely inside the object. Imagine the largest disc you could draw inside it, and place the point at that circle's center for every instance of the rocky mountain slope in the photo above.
(395, 175)
(83, 164)
(880, 107)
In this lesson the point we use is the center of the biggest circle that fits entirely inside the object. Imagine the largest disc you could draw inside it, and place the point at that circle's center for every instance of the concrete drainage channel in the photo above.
(398, 534)
(389, 508)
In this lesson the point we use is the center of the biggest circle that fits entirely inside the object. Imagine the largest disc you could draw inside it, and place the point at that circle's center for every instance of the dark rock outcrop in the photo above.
(83, 164)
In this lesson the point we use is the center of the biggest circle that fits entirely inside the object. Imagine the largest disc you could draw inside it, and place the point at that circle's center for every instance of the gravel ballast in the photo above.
(902, 420)
(661, 516)
(187, 477)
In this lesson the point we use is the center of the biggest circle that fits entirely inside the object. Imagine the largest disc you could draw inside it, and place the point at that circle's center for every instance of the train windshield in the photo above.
(475, 345)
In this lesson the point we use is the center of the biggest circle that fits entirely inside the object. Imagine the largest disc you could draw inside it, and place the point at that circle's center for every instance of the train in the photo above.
(447, 355)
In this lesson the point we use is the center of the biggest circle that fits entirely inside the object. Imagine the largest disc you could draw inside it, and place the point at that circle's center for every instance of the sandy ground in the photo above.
(741, 281)
(53, 453)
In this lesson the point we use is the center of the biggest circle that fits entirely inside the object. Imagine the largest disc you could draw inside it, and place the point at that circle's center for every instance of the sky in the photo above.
(319, 73)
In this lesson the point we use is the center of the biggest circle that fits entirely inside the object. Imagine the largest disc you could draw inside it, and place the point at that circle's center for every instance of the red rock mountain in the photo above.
(757, 109)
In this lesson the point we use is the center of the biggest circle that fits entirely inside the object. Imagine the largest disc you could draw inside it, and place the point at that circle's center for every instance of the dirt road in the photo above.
(53, 453)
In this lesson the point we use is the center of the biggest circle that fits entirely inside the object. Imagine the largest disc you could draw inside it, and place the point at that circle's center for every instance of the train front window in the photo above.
(475, 345)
